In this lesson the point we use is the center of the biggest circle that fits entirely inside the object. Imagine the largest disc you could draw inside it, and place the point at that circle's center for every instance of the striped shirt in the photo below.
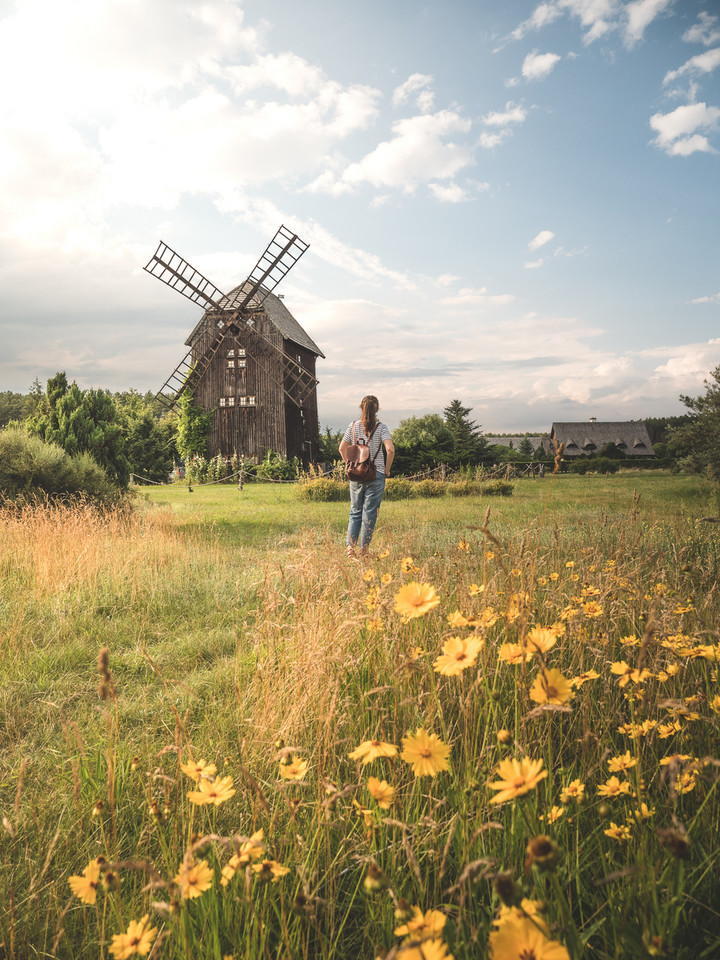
(376, 441)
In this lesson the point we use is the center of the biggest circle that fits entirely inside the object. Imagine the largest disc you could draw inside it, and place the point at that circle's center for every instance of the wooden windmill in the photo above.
(249, 360)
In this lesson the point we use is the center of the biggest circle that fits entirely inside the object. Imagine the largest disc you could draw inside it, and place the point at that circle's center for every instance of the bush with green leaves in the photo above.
(30, 467)
(593, 465)
(497, 488)
(277, 467)
(323, 490)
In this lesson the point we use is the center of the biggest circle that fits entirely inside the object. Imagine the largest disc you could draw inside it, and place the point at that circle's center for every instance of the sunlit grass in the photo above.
(238, 634)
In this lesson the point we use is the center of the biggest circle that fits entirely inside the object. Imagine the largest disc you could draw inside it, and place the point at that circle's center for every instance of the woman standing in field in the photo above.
(365, 498)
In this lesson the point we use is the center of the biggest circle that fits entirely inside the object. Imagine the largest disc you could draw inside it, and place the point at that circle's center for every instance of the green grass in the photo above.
(232, 620)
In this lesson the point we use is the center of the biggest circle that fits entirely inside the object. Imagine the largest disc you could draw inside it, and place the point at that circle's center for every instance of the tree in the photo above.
(13, 406)
(526, 449)
(194, 426)
(328, 443)
(698, 441)
(82, 422)
(469, 446)
(421, 442)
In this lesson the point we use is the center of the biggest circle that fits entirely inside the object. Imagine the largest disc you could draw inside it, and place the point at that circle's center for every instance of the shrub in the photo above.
(29, 467)
(398, 488)
(277, 467)
(322, 490)
(429, 488)
(593, 465)
(497, 488)
(463, 488)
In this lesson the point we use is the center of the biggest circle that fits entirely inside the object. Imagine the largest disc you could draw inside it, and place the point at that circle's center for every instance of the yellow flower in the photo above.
(216, 792)
(369, 575)
(592, 609)
(541, 639)
(582, 678)
(458, 654)
(381, 791)
(517, 777)
(136, 942)
(626, 673)
(464, 545)
(542, 581)
(407, 565)
(521, 939)
(370, 750)
(617, 832)
(251, 849)
(197, 769)
(623, 762)
(270, 870)
(426, 753)
(374, 624)
(85, 886)
(295, 770)
(570, 564)
(489, 555)
(415, 600)
(422, 925)
(456, 619)
(554, 576)
(715, 703)
(487, 618)
(474, 590)
(554, 815)
(386, 578)
(434, 949)
(550, 686)
(644, 812)
(686, 781)
(575, 790)
(194, 879)
(527, 909)
(385, 553)
(613, 787)
(514, 653)
(630, 640)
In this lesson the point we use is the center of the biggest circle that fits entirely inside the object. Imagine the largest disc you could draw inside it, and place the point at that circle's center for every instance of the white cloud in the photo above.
(534, 264)
(513, 113)
(473, 297)
(537, 66)
(676, 131)
(418, 152)
(598, 17)
(416, 83)
(639, 15)
(490, 140)
(448, 192)
(545, 236)
(715, 298)
(702, 63)
(705, 31)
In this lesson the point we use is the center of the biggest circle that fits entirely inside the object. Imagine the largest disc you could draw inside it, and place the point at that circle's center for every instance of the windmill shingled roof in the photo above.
(280, 316)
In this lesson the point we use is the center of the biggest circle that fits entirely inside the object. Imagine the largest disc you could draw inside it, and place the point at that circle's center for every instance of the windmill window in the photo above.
(231, 353)
(242, 363)
(241, 352)
(247, 401)
(231, 364)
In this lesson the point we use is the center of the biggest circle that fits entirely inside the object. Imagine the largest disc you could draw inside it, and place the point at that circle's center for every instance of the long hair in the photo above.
(369, 407)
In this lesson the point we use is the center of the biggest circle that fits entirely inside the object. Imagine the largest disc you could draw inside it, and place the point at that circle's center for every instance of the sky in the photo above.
(512, 204)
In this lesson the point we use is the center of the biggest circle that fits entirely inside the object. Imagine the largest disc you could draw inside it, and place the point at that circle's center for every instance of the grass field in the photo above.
(576, 629)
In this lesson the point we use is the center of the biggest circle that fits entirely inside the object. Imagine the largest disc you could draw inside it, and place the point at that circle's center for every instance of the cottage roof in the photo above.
(278, 313)
(587, 436)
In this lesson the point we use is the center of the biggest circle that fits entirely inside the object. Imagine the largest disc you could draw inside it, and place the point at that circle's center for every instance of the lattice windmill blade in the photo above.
(298, 382)
(280, 256)
(177, 273)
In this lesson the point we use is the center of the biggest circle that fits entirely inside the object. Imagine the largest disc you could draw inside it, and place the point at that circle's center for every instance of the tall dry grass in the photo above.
(307, 656)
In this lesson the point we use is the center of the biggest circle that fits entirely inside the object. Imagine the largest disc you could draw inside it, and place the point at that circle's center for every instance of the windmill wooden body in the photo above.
(249, 361)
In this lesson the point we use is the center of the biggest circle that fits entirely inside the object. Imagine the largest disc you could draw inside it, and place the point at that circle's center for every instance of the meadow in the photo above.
(497, 737)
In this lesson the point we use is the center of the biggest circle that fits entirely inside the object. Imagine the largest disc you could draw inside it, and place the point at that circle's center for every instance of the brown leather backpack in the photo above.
(358, 465)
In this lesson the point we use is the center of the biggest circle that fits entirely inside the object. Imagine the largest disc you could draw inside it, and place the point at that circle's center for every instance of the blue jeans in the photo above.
(365, 501)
